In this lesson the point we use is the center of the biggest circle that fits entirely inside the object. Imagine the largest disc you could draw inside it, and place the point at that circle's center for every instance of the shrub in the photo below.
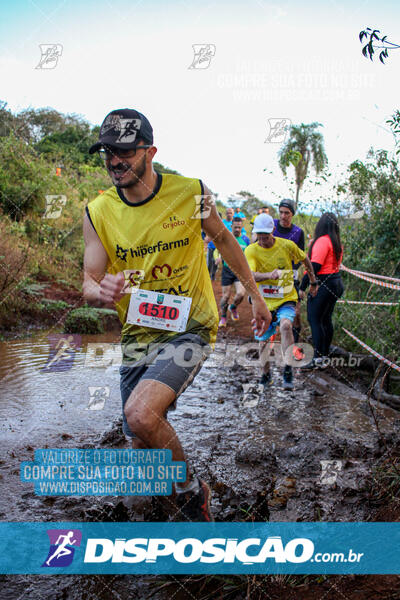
(83, 320)
(32, 178)
(13, 260)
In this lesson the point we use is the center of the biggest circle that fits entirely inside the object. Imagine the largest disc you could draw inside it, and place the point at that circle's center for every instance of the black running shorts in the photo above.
(227, 276)
(174, 363)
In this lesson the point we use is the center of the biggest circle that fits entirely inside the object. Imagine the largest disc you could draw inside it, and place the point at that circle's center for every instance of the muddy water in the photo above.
(300, 455)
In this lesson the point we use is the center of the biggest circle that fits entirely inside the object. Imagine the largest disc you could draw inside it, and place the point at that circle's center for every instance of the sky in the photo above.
(287, 61)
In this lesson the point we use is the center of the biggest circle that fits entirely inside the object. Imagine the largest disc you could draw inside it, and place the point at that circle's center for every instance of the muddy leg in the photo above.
(145, 413)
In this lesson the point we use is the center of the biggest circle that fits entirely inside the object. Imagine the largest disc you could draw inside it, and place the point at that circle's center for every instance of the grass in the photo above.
(386, 480)
(28, 266)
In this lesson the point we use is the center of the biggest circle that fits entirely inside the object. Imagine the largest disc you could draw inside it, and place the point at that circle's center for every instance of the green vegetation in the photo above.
(44, 153)
(87, 319)
(250, 204)
(305, 145)
(46, 179)
(83, 320)
(376, 42)
(372, 244)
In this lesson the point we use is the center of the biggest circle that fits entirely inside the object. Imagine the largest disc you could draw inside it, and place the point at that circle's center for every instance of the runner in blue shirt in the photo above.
(238, 213)
(229, 278)
(229, 220)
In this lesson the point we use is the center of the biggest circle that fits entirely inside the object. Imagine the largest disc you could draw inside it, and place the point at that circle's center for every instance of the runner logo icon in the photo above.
(61, 551)
(62, 351)
(50, 53)
(128, 130)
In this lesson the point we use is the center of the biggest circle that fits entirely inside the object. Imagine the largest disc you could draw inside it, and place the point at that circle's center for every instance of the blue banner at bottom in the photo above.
(196, 548)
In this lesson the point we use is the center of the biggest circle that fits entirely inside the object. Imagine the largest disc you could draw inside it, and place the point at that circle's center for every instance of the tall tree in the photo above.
(304, 145)
(251, 203)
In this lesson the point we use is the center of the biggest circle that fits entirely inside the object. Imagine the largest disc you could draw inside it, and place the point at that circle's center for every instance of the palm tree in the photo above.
(304, 144)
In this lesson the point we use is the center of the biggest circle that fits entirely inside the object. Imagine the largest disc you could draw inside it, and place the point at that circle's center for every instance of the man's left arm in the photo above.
(233, 255)
(301, 242)
(300, 256)
(311, 275)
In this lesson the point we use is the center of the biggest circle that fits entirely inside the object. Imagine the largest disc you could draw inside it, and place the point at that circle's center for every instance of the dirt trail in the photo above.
(303, 455)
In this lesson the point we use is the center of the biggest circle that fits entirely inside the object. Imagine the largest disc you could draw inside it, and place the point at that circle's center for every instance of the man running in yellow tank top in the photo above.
(271, 262)
(144, 256)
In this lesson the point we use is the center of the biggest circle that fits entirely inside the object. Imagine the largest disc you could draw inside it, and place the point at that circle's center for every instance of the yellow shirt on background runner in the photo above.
(280, 256)
(162, 237)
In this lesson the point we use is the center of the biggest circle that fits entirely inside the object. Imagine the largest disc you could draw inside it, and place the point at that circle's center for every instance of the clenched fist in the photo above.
(275, 274)
(111, 288)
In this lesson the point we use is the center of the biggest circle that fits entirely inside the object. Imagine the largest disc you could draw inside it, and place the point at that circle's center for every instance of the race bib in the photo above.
(268, 290)
(159, 311)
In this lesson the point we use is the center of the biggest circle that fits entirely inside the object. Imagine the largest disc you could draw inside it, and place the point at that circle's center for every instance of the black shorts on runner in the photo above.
(174, 363)
(227, 276)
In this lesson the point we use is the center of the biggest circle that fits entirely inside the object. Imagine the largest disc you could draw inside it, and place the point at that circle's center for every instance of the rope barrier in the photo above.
(374, 275)
(365, 302)
(370, 279)
(373, 352)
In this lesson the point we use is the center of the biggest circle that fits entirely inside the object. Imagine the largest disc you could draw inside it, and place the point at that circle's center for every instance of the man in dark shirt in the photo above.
(284, 228)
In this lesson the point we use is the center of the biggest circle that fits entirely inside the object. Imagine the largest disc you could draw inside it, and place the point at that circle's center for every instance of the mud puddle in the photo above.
(303, 455)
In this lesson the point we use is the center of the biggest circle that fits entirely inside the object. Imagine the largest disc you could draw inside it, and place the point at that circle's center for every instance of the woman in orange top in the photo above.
(326, 254)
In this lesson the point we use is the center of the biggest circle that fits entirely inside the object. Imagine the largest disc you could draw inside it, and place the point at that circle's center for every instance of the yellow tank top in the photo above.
(160, 237)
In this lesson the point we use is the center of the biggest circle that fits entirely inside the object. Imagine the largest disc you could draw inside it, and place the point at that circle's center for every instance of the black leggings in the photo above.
(320, 309)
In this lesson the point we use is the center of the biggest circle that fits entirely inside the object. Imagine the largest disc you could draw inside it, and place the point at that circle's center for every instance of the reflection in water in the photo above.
(29, 387)
(46, 401)
(240, 440)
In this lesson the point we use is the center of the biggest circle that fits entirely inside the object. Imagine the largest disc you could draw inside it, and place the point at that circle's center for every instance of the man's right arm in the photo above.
(99, 287)
(275, 274)
(257, 275)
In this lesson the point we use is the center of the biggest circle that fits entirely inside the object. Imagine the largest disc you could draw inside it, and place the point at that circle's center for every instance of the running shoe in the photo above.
(309, 366)
(265, 379)
(195, 506)
(287, 378)
(298, 353)
(323, 362)
(222, 322)
(316, 363)
(234, 313)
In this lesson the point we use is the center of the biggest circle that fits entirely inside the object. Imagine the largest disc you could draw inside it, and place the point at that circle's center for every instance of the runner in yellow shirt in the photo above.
(270, 260)
(144, 255)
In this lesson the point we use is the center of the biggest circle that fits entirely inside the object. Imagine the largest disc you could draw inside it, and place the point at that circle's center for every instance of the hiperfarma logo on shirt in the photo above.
(147, 249)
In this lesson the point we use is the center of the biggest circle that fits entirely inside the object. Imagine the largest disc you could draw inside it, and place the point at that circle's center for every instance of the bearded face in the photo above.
(127, 172)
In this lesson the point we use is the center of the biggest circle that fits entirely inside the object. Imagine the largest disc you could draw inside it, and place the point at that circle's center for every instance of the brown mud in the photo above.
(261, 452)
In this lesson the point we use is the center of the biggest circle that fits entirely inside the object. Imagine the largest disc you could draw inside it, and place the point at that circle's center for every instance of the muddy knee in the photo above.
(285, 325)
(142, 419)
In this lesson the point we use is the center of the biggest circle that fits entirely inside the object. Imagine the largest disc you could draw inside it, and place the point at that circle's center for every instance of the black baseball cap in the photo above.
(122, 128)
(287, 203)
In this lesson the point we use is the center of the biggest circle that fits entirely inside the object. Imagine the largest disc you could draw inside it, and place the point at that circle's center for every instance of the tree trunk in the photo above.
(297, 196)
